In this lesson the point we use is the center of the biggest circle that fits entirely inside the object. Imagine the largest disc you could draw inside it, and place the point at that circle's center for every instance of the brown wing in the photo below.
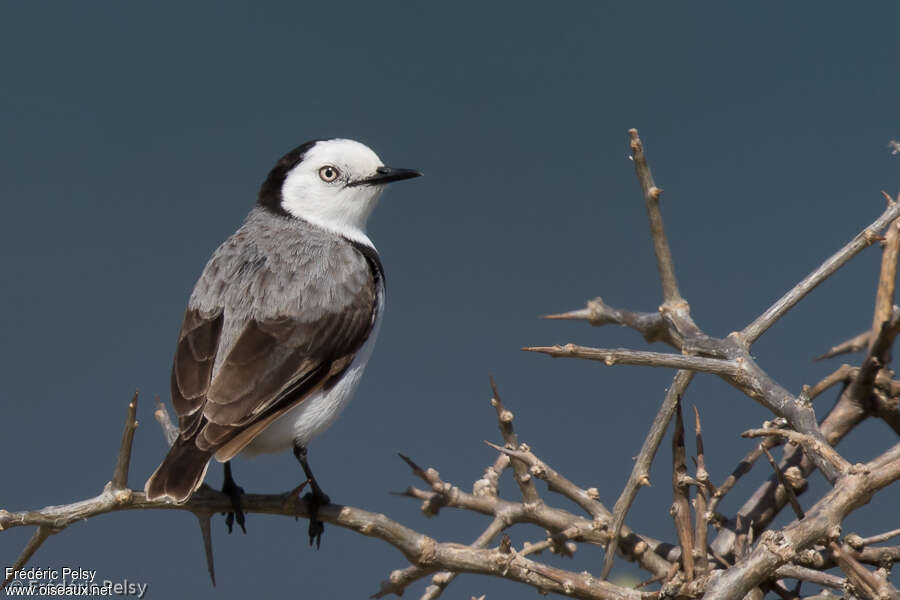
(193, 366)
(183, 468)
(276, 363)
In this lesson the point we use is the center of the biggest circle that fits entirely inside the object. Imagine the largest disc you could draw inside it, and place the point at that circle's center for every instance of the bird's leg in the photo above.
(234, 492)
(314, 499)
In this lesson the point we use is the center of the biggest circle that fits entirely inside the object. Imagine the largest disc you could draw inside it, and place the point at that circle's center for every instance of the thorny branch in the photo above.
(747, 559)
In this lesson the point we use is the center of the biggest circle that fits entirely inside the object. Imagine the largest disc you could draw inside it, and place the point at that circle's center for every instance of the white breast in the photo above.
(314, 415)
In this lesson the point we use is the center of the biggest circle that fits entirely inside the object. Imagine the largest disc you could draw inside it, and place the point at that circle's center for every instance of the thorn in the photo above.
(506, 451)
(39, 537)
(294, 494)
(572, 315)
(205, 533)
(888, 197)
(416, 469)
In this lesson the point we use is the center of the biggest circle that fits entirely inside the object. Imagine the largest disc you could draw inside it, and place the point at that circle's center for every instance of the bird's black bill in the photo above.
(386, 175)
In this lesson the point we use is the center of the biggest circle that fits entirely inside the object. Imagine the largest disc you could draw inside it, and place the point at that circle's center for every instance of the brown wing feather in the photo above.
(193, 365)
(273, 358)
(273, 365)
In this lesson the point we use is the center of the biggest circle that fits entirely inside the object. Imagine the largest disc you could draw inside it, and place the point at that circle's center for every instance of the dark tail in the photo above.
(180, 473)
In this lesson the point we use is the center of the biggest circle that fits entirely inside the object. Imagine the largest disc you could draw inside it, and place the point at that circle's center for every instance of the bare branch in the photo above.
(810, 445)
(887, 279)
(120, 473)
(855, 344)
(877, 539)
(865, 581)
(651, 199)
(842, 373)
(791, 571)
(554, 543)
(37, 539)
(863, 240)
(741, 469)
(170, 432)
(852, 490)
(681, 504)
(769, 498)
(652, 326)
(788, 489)
(633, 546)
(505, 419)
(419, 549)
(701, 527)
(742, 372)
(640, 473)
(611, 357)
(400, 579)
(441, 580)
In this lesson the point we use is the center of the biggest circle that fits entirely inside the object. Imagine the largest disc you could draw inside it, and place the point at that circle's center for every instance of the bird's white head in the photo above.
(334, 184)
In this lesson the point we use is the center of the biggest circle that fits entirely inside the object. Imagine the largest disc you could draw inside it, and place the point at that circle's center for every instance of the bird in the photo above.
(281, 322)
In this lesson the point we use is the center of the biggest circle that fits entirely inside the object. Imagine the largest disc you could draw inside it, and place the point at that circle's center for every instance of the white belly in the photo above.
(314, 415)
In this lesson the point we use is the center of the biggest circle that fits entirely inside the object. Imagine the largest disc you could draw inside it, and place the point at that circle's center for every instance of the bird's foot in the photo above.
(314, 500)
(234, 493)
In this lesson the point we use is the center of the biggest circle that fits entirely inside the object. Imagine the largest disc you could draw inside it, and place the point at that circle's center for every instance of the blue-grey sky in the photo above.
(134, 138)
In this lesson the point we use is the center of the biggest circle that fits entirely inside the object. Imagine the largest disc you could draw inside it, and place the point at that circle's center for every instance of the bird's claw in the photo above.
(234, 493)
(315, 500)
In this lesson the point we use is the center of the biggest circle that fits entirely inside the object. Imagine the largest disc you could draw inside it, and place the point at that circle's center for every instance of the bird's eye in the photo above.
(328, 173)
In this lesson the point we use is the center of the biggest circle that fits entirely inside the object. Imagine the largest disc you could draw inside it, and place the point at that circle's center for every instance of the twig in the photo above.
(552, 542)
(651, 199)
(872, 555)
(418, 548)
(842, 373)
(740, 470)
(881, 537)
(490, 481)
(170, 432)
(861, 389)
(811, 446)
(613, 356)
(742, 372)
(887, 278)
(766, 501)
(701, 528)
(851, 491)
(632, 545)
(640, 472)
(854, 344)
(441, 580)
(504, 420)
(120, 473)
(37, 539)
(791, 571)
(401, 578)
(651, 325)
(681, 504)
(553, 519)
(885, 408)
(863, 239)
(788, 489)
(864, 580)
